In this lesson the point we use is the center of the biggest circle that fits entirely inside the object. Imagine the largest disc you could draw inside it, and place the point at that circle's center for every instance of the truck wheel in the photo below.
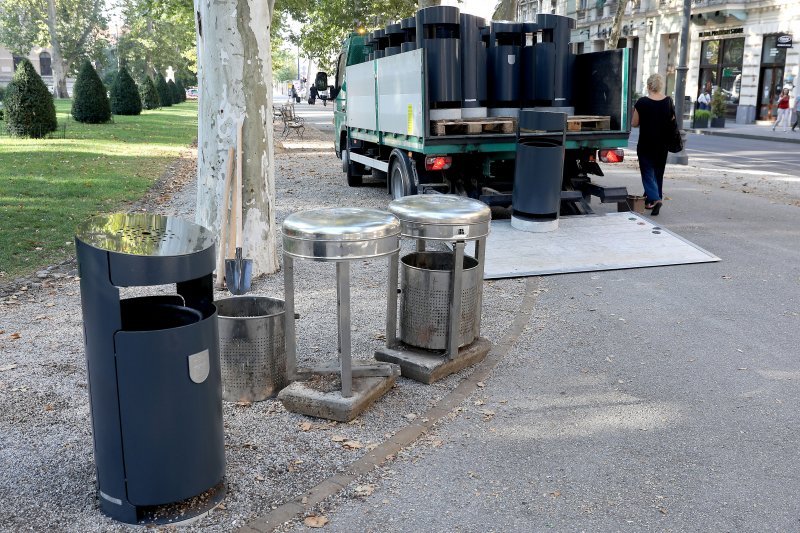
(401, 181)
(354, 179)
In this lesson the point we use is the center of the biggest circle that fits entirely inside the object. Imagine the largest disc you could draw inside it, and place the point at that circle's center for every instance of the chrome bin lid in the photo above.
(442, 217)
(340, 233)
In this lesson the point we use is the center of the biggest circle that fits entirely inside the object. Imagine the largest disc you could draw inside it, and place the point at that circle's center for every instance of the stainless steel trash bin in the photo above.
(252, 347)
(425, 282)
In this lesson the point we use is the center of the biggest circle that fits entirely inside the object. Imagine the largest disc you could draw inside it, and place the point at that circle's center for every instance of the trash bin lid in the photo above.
(443, 217)
(340, 233)
(144, 234)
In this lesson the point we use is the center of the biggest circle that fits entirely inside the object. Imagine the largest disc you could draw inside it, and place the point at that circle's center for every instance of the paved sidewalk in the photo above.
(752, 131)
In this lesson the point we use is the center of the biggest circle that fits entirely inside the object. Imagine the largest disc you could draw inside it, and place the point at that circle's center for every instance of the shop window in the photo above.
(721, 67)
(45, 65)
(709, 53)
(770, 53)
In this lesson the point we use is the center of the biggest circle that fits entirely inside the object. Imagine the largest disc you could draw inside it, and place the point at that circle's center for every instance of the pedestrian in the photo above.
(704, 100)
(796, 112)
(783, 110)
(652, 115)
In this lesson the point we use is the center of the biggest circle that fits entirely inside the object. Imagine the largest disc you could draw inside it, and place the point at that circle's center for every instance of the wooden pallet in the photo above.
(473, 126)
(588, 123)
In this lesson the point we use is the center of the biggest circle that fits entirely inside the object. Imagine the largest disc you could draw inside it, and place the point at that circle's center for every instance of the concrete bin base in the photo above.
(428, 367)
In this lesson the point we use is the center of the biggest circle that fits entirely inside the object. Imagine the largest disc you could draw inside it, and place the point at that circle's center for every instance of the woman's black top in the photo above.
(654, 117)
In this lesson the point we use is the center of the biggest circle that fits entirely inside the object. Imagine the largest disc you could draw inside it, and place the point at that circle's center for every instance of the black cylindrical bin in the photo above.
(473, 63)
(538, 171)
(409, 27)
(438, 34)
(505, 44)
(395, 37)
(556, 29)
(153, 366)
(529, 69)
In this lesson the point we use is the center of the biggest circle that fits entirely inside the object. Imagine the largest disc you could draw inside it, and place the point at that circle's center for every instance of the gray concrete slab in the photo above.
(313, 398)
(427, 367)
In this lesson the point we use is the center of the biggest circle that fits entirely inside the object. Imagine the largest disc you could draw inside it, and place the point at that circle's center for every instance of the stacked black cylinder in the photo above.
(505, 67)
(369, 46)
(438, 34)
(379, 44)
(554, 61)
(394, 37)
(409, 27)
(473, 66)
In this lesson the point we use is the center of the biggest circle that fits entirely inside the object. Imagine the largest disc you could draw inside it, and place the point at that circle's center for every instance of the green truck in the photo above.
(383, 130)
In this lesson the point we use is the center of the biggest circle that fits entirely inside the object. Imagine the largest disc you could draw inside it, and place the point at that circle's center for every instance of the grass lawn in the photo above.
(47, 187)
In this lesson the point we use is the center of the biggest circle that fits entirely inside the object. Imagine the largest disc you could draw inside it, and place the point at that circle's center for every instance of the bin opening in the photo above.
(249, 307)
(436, 261)
(151, 313)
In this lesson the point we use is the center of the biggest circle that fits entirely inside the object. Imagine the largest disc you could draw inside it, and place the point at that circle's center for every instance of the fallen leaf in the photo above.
(49, 407)
(410, 416)
(221, 507)
(365, 490)
(259, 477)
(352, 444)
(315, 521)
(15, 336)
(338, 438)
(662, 510)
(437, 443)
(305, 426)
(8, 367)
(244, 404)
(555, 493)
(50, 304)
(479, 402)
(481, 384)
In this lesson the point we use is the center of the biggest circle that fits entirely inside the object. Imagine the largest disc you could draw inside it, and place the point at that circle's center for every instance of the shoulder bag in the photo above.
(673, 133)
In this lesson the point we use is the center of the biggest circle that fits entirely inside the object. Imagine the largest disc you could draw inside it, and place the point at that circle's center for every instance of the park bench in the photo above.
(291, 122)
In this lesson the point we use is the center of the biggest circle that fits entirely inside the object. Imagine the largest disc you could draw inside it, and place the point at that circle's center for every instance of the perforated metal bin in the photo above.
(252, 347)
(425, 286)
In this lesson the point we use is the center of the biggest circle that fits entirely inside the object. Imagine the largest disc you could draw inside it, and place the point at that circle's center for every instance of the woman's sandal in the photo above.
(656, 207)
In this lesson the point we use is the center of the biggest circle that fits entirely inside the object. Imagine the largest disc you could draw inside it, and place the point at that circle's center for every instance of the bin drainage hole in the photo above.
(631, 218)
(656, 232)
(656, 227)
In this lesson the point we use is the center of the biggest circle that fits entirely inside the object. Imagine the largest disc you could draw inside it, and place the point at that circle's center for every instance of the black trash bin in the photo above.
(538, 171)
(153, 364)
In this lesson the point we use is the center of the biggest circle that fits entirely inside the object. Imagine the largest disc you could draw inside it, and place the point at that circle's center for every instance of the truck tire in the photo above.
(354, 177)
(401, 177)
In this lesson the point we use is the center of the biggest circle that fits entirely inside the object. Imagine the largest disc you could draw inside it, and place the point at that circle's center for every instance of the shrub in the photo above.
(163, 91)
(28, 105)
(125, 99)
(702, 115)
(90, 102)
(181, 91)
(718, 103)
(174, 95)
(149, 94)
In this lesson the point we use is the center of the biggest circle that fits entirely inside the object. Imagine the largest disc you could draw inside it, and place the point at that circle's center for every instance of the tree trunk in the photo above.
(235, 81)
(58, 63)
(429, 3)
(616, 25)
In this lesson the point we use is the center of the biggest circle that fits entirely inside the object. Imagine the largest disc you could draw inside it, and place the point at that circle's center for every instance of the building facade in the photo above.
(745, 47)
(40, 58)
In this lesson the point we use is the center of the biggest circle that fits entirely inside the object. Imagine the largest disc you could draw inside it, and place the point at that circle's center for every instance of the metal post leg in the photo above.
(420, 245)
(391, 309)
(343, 318)
(288, 317)
(454, 328)
(480, 256)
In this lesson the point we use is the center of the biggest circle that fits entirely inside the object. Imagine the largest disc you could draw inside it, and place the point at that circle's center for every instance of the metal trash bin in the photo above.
(153, 367)
(425, 299)
(252, 347)
(538, 172)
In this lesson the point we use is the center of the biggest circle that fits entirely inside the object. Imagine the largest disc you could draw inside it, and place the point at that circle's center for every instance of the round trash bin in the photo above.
(252, 347)
(425, 299)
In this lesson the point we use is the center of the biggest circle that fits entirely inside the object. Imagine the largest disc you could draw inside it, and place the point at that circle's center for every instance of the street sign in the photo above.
(784, 41)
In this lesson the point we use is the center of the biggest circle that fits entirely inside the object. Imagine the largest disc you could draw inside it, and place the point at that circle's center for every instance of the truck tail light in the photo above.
(612, 156)
(438, 162)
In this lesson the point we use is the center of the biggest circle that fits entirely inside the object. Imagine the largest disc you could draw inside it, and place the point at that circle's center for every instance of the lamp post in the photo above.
(681, 158)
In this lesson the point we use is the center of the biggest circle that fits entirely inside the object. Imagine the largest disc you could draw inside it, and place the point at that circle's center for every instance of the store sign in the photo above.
(726, 31)
(784, 41)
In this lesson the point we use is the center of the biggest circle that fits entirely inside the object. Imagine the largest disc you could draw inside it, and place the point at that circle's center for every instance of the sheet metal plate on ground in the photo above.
(587, 243)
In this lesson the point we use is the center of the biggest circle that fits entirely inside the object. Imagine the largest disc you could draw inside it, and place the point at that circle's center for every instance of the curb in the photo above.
(744, 136)
(405, 436)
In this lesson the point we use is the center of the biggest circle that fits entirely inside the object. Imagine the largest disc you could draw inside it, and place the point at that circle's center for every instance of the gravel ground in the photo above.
(47, 478)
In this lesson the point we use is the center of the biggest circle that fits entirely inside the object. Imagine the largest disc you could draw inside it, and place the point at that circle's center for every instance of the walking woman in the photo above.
(783, 110)
(652, 115)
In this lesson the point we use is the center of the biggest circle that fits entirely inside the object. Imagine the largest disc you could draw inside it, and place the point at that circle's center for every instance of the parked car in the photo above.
(192, 93)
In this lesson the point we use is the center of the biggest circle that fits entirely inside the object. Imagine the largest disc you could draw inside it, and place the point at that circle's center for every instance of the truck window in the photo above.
(340, 70)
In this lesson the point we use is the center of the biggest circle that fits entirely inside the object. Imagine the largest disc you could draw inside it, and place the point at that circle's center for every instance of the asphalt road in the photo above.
(716, 151)
(658, 399)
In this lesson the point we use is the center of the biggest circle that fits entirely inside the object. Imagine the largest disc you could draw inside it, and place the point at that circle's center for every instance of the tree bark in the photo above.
(429, 3)
(616, 25)
(235, 82)
(59, 65)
